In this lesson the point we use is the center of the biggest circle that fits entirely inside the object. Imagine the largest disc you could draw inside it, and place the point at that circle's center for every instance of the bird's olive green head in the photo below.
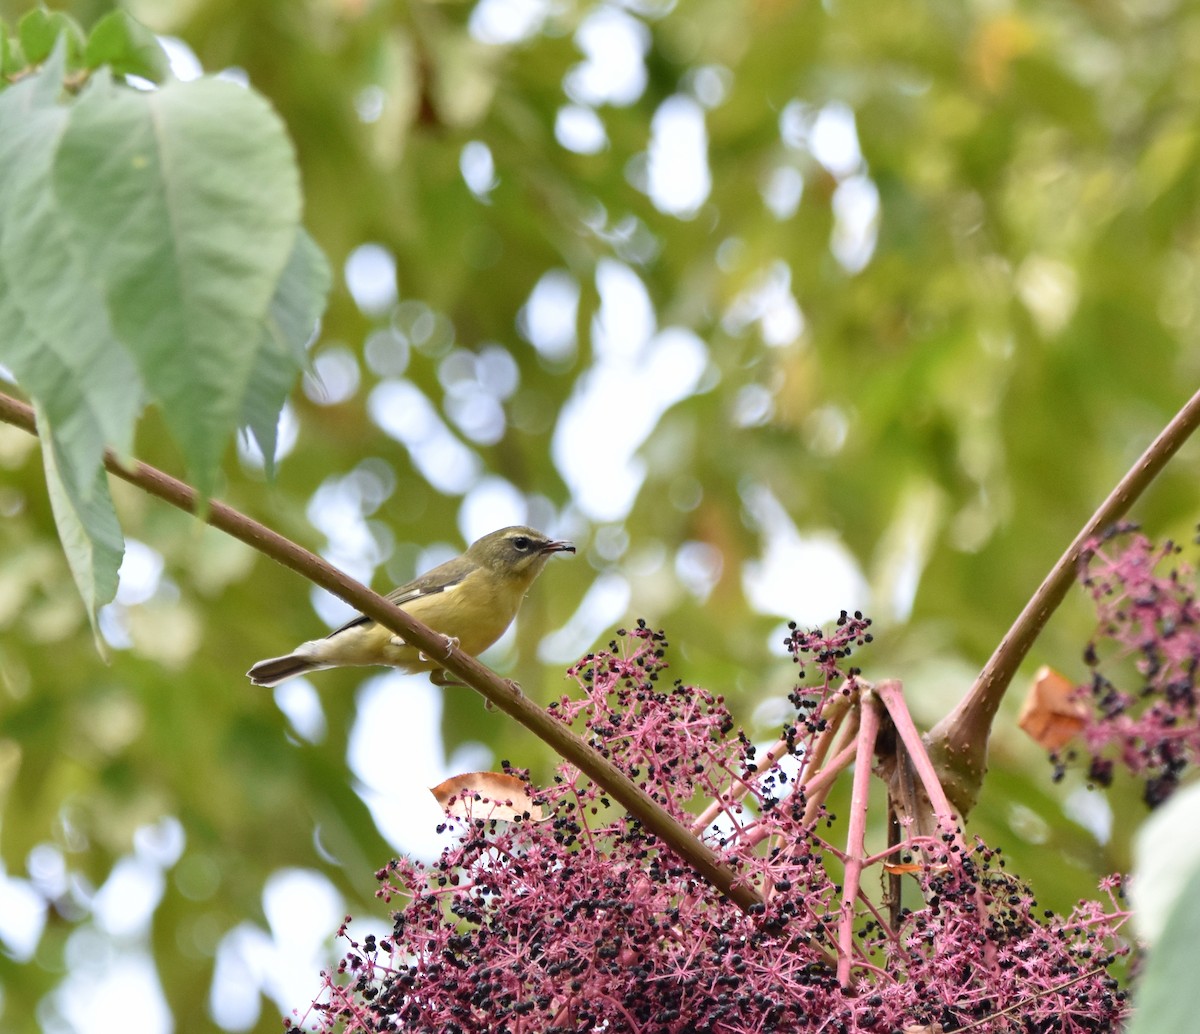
(518, 552)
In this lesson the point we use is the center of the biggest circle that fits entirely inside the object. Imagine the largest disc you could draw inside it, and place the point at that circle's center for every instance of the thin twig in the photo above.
(817, 789)
(959, 741)
(464, 667)
(895, 890)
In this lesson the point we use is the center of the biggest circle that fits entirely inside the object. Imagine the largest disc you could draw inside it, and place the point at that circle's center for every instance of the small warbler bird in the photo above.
(470, 600)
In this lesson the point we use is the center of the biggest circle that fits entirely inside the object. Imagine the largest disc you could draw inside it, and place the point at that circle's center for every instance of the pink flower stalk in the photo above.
(1148, 615)
(579, 920)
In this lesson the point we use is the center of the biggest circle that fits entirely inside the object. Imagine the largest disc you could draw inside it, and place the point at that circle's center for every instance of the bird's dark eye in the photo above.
(522, 543)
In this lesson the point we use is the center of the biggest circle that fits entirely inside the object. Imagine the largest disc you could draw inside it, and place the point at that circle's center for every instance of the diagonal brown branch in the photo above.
(958, 743)
(464, 667)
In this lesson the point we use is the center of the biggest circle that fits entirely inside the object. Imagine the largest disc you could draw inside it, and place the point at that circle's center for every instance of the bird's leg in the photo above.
(441, 677)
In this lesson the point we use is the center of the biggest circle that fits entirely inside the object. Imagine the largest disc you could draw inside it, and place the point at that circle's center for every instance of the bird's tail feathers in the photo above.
(274, 670)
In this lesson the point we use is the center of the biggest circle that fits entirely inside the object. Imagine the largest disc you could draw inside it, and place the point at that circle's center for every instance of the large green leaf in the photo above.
(183, 204)
(54, 330)
(149, 246)
(295, 309)
(87, 526)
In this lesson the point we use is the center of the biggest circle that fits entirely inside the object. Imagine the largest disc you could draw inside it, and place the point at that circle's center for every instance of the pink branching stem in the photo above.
(1107, 922)
(835, 712)
(815, 791)
(884, 925)
(724, 801)
(342, 994)
(818, 788)
(891, 693)
(868, 731)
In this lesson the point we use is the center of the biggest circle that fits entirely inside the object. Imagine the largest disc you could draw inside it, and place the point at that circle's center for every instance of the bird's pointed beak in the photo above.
(558, 547)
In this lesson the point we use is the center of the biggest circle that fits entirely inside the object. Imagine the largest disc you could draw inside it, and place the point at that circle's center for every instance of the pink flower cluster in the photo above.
(579, 920)
(1148, 639)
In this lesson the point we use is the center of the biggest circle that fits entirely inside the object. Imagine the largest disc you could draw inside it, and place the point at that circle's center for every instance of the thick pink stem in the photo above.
(864, 756)
(891, 693)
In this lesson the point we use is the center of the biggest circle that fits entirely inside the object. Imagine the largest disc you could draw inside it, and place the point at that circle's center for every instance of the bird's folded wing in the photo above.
(423, 586)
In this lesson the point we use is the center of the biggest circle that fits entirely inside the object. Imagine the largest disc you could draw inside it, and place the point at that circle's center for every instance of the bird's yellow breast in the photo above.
(474, 613)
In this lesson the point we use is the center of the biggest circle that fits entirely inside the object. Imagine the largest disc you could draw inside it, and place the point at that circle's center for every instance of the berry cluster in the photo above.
(1148, 632)
(574, 918)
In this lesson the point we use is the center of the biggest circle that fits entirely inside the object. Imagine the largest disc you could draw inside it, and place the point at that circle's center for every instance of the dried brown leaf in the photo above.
(485, 795)
(1051, 714)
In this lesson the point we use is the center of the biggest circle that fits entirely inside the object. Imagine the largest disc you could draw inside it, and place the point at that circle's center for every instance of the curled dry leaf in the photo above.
(485, 795)
(1051, 714)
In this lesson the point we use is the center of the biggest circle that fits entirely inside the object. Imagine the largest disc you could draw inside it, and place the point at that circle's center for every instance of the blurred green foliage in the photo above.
(952, 411)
